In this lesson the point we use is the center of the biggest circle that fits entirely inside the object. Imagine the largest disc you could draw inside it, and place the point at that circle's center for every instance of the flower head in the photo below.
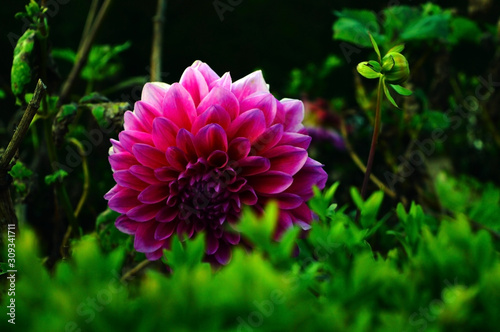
(193, 153)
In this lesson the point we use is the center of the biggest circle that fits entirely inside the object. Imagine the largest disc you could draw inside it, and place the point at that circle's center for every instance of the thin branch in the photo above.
(156, 51)
(89, 21)
(24, 125)
(83, 52)
(86, 176)
(134, 270)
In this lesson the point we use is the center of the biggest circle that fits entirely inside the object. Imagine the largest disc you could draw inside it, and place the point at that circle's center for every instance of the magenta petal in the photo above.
(263, 101)
(164, 133)
(184, 141)
(206, 71)
(302, 213)
(271, 182)
(144, 212)
(238, 148)
(146, 113)
(295, 139)
(164, 230)
(178, 106)
(131, 122)
(223, 254)
(249, 84)
(288, 201)
(125, 225)
(149, 156)
(122, 160)
(214, 114)
(195, 84)
(268, 139)
(166, 173)
(125, 179)
(124, 200)
(284, 222)
(253, 165)
(155, 255)
(144, 173)
(113, 191)
(286, 158)
(154, 193)
(294, 114)
(232, 238)
(117, 147)
(144, 237)
(209, 138)
(167, 214)
(153, 93)
(249, 125)
(185, 230)
(311, 174)
(222, 98)
(224, 82)
(218, 159)
(212, 244)
(176, 158)
(248, 195)
(130, 138)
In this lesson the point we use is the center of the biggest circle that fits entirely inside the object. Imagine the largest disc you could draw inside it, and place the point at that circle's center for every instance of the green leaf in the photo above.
(463, 29)
(388, 95)
(401, 90)
(66, 54)
(21, 68)
(353, 25)
(398, 48)
(375, 46)
(367, 70)
(102, 63)
(427, 27)
(58, 175)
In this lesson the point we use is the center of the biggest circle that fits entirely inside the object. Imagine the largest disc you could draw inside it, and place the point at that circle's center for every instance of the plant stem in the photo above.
(376, 130)
(156, 51)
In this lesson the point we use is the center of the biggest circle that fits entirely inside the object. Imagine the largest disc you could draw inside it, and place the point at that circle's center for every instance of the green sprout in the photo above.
(391, 70)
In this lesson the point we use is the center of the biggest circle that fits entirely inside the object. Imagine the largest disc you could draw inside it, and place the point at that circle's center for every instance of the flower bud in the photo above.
(395, 68)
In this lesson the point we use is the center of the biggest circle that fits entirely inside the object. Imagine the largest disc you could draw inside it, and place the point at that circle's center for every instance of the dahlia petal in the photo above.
(270, 182)
(178, 106)
(269, 138)
(144, 173)
(223, 98)
(167, 214)
(238, 148)
(284, 222)
(144, 212)
(126, 179)
(295, 139)
(144, 240)
(303, 214)
(124, 200)
(224, 82)
(294, 113)
(132, 122)
(212, 244)
(131, 137)
(164, 230)
(209, 138)
(164, 133)
(263, 101)
(311, 174)
(176, 158)
(237, 185)
(184, 228)
(116, 147)
(287, 201)
(218, 159)
(223, 254)
(125, 225)
(232, 238)
(184, 141)
(153, 93)
(146, 114)
(249, 125)
(149, 156)
(254, 165)
(195, 84)
(206, 71)
(122, 160)
(154, 193)
(155, 255)
(249, 84)
(248, 195)
(286, 158)
(113, 191)
(166, 173)
(214, 114)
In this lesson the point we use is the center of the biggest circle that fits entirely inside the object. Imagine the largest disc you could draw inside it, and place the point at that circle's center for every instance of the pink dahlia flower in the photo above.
(193, 153)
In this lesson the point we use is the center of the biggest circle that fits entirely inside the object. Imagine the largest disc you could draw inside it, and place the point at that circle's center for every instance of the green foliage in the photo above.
(21, 176)
(21, 69)
(307, 79)
(57, 176)
(448, 281)
(102, 61)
